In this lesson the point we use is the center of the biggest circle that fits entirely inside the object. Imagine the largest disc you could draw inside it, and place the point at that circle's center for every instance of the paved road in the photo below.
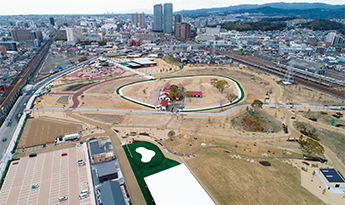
(225, 112)
(130, 179)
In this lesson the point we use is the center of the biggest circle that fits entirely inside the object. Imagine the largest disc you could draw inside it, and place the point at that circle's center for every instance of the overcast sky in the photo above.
(13, 7)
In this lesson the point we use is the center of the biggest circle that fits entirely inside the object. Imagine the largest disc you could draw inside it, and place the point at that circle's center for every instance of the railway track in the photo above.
(13, 91)
(270, 67)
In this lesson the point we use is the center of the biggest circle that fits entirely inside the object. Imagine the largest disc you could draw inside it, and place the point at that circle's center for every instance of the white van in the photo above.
(83, 196)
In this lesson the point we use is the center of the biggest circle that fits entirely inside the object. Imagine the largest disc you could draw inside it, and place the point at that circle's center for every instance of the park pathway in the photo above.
(131, 182)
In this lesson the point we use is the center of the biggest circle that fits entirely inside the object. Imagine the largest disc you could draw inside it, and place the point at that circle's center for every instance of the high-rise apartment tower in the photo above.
(168, 18)
(157, 18)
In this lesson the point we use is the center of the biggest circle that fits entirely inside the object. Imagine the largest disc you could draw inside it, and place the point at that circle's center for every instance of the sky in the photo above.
(14, 7)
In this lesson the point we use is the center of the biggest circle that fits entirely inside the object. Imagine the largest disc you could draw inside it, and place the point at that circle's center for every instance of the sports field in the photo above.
(141, 170)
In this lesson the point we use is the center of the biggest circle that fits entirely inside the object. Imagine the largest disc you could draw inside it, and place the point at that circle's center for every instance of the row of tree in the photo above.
(263, 25)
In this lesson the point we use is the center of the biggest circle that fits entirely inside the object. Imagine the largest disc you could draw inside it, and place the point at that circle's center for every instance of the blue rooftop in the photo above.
(111, 193)
(332, 175)
(95, 149)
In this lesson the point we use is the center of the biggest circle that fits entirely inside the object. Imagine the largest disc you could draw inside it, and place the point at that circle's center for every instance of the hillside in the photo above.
(304, 10)
(323, 24)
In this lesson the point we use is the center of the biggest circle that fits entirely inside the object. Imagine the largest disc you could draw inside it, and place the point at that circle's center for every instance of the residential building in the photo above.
(74, 34)
(135, 19)
(3, 50)
(182, 30)
(142, 19)
(157, 18)
(51, 20)
(61, 34)
(9, 45)
(21, 35)
(37, 35)
(178, 18)
(168, 18)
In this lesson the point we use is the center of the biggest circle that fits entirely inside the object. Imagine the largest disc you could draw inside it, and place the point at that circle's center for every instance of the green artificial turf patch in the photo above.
(141, 170)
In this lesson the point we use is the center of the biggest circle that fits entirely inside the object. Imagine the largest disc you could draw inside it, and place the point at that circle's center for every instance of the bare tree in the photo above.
(231, 97)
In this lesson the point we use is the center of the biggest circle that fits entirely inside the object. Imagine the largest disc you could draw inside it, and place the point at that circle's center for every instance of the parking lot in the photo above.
(56, 176)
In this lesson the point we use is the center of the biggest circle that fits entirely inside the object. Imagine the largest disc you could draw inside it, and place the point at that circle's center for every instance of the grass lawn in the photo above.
(333, 140)
(141, 170)
(325, 117)
(172, 61)
(235, 181)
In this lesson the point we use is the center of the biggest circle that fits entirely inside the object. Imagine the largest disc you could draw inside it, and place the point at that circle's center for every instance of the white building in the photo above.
(74, 34)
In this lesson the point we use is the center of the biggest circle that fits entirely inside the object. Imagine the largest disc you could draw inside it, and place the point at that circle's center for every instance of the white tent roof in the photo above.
(177, 185)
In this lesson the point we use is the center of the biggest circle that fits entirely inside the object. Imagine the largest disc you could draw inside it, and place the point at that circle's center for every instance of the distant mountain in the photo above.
(305, 10)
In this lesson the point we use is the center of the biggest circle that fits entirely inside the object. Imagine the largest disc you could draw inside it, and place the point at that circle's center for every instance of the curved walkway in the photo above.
(238, 99)
(79, 93)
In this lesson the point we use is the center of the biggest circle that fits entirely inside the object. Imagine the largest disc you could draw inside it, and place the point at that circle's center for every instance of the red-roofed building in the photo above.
(166, 85)
(180, 86)
(161, 105)
(165, 90)
(194, 93)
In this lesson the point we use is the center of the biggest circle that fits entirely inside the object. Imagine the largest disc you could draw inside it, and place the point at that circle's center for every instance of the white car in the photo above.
(64, 198)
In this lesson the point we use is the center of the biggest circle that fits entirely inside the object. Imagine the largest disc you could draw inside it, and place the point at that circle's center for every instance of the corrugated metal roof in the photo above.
(111, 193)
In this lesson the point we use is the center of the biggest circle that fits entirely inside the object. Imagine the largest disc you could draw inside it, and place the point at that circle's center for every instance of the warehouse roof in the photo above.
(332, 175)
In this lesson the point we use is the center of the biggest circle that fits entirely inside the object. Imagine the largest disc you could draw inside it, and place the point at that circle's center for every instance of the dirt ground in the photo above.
(45, 130)
(211, 95)
(300, 94)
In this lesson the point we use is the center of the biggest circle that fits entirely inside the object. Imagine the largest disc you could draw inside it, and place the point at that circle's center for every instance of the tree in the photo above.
(257, 104)
(172, 95)
(220, 85)
(231, 97)
(171, 133)
(214, 81)
(174, 88)
(311, 146)
(181, 91)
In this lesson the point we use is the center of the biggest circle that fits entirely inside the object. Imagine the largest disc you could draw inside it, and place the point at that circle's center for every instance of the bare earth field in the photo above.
(45, 130)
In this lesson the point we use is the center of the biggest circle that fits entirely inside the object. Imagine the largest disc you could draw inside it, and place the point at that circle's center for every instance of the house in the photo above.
(194, 93)
(180, 86)
(161, 105)
(164, 96)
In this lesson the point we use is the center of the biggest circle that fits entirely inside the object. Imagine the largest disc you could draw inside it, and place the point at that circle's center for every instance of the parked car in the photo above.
(64, 198)
(339, 113)
(336, 116)
(32, 155)
(81, 162)
(4, 139)
(313, 119)
(34, 186)
(64, 154)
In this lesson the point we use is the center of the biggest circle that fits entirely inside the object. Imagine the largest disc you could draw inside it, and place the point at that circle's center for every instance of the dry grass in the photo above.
(235, 181)
(187, 144)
